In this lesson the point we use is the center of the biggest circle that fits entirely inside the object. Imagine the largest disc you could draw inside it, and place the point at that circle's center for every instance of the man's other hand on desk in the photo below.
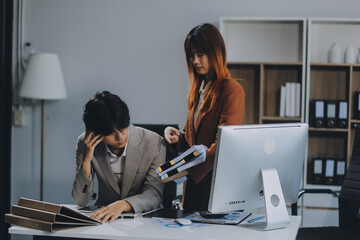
(111, 211)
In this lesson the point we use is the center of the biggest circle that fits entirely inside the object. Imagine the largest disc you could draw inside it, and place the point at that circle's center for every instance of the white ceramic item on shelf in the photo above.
(358, 57)
(335, 53)
(350, 54)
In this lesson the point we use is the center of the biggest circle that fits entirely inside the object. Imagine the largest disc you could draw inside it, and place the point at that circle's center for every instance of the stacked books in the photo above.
(46, 216)
(191, 157)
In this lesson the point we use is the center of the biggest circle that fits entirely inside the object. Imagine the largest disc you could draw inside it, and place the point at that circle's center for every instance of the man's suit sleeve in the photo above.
(151, 196)
(82, 191)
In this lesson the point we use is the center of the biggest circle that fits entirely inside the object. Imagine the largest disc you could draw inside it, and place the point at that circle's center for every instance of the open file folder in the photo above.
(191, 157)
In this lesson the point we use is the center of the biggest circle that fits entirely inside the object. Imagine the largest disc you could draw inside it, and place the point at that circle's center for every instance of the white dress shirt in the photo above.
(117, 163)
(203, 88)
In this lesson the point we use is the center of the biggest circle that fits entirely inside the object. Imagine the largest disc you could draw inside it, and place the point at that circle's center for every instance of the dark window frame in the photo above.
(6, 29)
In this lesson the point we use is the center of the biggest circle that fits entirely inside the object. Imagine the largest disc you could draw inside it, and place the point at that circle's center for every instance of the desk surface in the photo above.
(145, 228)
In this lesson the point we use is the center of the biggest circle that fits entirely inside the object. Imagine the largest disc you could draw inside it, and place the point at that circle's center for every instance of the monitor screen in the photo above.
(242, 151)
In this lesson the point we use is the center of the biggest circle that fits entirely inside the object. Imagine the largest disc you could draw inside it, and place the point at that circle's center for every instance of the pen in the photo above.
(256, 219)
(177, 132)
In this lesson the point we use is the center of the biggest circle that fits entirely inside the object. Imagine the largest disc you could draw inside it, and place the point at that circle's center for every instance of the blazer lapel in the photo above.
(201, 113)
(100, 154)
(133, 157)
(191, 135)
(198, 120)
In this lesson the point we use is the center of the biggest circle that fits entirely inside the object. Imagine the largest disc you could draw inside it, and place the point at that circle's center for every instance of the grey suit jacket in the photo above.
(141, 185)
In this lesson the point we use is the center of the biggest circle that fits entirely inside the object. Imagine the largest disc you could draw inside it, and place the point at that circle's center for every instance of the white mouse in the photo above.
(183, 221)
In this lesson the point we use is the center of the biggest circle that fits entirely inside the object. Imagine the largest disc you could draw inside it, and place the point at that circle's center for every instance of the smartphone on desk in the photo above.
(167, 213)
(207, 214)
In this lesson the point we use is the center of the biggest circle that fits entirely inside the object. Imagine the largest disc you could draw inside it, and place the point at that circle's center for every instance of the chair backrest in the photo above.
(170, 188)
(349, 199)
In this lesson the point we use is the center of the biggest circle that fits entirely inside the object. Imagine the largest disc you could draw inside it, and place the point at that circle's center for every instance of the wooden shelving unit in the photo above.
(329, 81)
(264, 54)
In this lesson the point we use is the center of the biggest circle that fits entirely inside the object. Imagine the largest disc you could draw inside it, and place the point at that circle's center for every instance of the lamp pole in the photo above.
(42, 153)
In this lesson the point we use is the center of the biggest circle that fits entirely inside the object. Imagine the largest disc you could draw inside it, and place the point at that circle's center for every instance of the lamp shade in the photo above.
(43, 78)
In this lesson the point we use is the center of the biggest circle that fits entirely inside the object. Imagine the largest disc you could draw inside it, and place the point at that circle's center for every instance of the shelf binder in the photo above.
(342, 114)
(329, 171)
(318, 113)
(357, 105)
(290, 95)
(330, 114)
(297, 99)
(288, 99)
(282, 101)
(292, 102)
(318, 170)
(340, 171)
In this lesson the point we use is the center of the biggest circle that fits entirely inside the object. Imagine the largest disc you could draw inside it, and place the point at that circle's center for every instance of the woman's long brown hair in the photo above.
(206, 39)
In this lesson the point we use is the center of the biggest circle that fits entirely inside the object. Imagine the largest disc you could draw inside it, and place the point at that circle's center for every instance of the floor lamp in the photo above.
(43, 80)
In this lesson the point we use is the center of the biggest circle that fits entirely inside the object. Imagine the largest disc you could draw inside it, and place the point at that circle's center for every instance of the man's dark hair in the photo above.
(105, 113)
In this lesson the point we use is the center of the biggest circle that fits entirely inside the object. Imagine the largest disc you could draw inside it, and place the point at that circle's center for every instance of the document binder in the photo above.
(318, 113)
(342, 114)
(318, 170)
(171, 163)
(292, 101)
(297, 99)
(41, 224)
(329, 171)
(357, 105)
(340, 171)
(282, 101)
(330, 114)
(182, 165)
(46, 216)
(191, 157)
(288, 99)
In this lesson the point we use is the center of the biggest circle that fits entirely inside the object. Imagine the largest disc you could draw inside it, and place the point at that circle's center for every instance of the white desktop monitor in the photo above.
(242, 152)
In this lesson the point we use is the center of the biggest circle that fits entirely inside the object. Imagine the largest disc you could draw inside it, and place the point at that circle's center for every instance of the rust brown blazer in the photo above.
(228, 110)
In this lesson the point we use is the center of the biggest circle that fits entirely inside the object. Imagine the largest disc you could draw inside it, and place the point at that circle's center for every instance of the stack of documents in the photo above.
(46, 216)
(191, 157)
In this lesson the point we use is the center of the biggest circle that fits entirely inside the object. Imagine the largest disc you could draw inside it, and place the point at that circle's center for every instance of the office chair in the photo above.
(170, 199)
(349, 203)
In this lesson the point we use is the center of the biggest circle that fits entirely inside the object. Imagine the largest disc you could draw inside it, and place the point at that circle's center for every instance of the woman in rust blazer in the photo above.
(214, 99)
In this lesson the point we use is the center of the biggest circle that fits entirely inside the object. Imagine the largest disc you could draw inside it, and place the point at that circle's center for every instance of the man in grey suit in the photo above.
(123, 157)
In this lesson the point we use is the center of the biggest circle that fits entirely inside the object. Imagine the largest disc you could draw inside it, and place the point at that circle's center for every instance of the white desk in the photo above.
(144, 228)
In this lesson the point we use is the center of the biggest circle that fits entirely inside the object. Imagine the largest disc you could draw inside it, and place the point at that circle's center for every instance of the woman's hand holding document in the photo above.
(191, 157)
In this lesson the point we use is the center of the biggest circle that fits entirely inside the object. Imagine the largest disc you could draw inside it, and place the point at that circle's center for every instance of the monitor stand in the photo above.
(275, 207)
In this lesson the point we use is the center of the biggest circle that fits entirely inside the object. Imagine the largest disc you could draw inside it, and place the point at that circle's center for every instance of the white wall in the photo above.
(133, 48)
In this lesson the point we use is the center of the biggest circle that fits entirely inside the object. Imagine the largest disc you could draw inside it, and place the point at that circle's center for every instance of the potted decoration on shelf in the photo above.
(350, 54)
(335, 53)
